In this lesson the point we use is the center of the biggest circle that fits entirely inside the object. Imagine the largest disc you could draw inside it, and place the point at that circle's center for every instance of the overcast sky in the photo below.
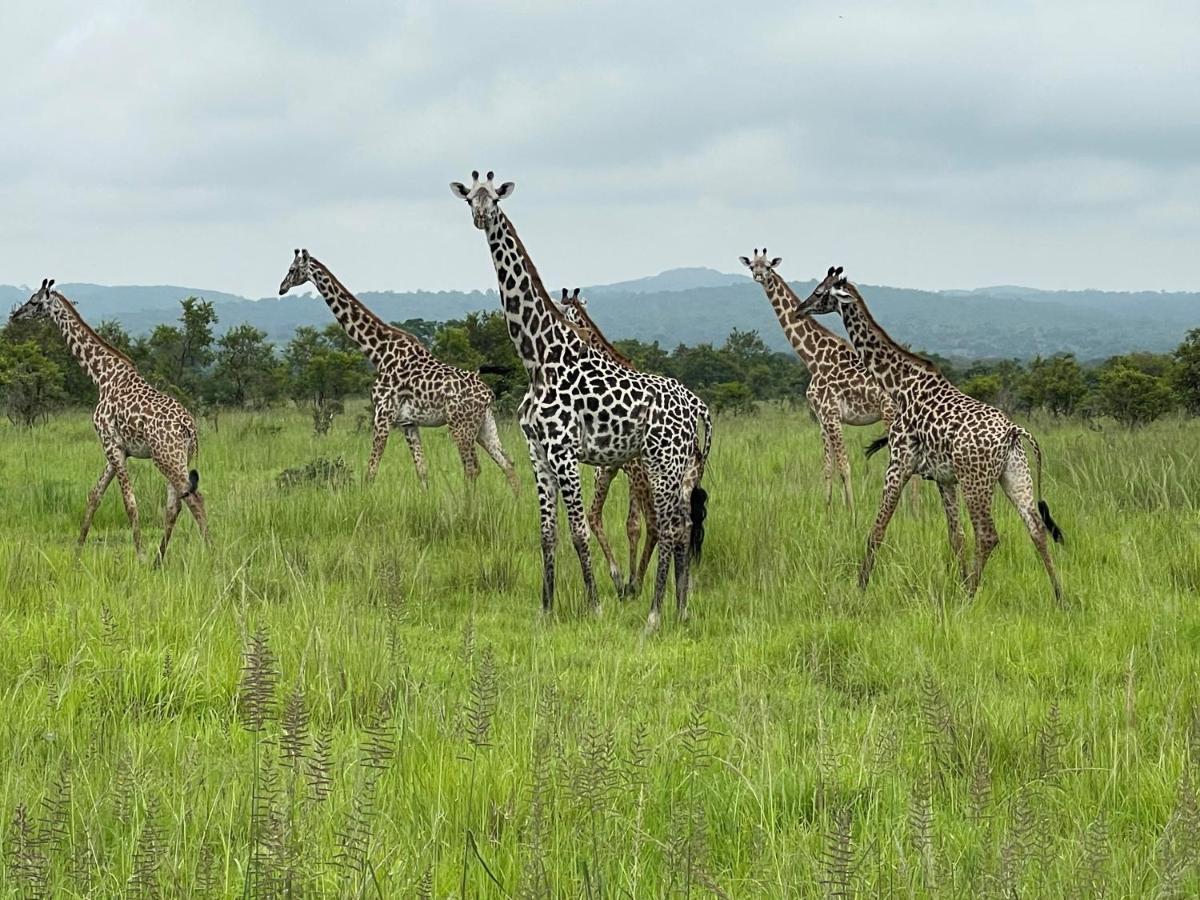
(918, 144)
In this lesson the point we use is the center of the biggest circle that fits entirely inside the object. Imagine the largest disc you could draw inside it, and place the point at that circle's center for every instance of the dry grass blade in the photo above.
(294, 736)
(26, 859)
(837, 857)
(481, 703)
(148, 856)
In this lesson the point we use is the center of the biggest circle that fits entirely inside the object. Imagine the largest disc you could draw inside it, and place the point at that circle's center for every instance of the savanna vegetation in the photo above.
(353, 692)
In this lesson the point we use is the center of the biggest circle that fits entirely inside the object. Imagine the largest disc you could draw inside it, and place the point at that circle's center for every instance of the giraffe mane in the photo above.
(91, 332)
(817, 326)
(367, 311)
(604, 341)
(535, 280)
(914, 358)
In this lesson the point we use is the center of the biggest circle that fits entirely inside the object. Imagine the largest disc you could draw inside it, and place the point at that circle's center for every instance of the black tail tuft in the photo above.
(876, 445)
(1048, 520)
(488, 369)
(699, 513)
(193, 484)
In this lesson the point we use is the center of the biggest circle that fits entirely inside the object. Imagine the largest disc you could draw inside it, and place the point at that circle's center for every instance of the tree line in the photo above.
(320, 368)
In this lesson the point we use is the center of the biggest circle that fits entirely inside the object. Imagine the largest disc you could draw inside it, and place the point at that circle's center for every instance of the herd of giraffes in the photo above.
(587, 403)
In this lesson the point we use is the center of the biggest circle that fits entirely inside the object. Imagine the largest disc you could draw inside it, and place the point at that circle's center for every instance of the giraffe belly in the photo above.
(933, 468)
(408, 414)
(136, 450)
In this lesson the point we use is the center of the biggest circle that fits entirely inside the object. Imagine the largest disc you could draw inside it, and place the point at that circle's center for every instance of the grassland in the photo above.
(354, 693)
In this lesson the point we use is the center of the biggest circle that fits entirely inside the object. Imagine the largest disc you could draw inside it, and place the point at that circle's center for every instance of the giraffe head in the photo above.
(37, 306)
(759, 265)
(483, 197)
(573, 306)
(827, 296)
(300, 272)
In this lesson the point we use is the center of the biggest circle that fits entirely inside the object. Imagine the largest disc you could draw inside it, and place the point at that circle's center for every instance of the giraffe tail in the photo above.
(876, 445)
(193, 484)
(1043, 507)
(699, 510)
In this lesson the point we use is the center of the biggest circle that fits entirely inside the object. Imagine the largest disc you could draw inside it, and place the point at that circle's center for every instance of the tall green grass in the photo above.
(354, 693)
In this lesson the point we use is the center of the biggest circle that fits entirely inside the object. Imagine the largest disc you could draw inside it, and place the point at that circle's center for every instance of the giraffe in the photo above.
(580, 406)
(840, 389)
(131, 419)
(942, 435)
(412, 389)
(575, 310)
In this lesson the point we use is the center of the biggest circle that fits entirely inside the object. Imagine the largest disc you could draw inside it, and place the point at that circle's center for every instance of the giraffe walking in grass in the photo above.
(131, 419)
(412, 389)
(942, 435)
(580, 406)
(840, 389)
(640, 505)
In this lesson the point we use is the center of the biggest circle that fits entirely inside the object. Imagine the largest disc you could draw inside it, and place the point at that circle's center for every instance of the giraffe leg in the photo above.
(566, 472)
(195, 505)
(489, 439)
(130, 505)
(837, 449)
(383, 417)
(640, 507)
(595, 519)
(1017, 484)
(174, 504)
(413, 436)
(978, 493)
(671, 525)
(949, 494)
(463, 434)
(94, 497)
(899, 470)
(547, 491)
(827, 464)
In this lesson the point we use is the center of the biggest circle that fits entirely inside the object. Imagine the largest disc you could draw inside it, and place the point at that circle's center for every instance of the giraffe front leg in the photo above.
(899, 470)
(837, 450)
(566, 471)
(640, 507)
(595, 519)
(413, 436)
(547, 491)
(94, 497)
(381, 428)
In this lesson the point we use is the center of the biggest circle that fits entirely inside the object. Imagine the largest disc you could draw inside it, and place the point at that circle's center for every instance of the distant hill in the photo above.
(697, 305)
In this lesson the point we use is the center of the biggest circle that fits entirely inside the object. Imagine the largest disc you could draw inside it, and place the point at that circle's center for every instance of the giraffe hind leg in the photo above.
(131, 508)
(1017, 485)
(978, 493)
(899, 471)
(413, 436)
(595, 519)
(641, 506)
(489, 439)
(463, 435)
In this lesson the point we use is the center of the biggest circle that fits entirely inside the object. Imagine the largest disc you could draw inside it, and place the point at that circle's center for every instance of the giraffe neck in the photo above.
(804, 333)
(99, 359)
(884, 358)
(362, 326)
(601, 343)
(537, 329)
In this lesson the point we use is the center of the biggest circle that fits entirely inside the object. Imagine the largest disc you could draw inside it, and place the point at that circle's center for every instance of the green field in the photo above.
(413, 724)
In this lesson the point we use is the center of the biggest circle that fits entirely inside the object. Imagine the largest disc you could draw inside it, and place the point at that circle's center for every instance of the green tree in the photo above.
(1056, 384)
(985, 388)
(452, 345)
(246, 370)
(1187, 371)
(1130, 396)
(731, 397)
(319, 370)
(178, 356)
(31, 384)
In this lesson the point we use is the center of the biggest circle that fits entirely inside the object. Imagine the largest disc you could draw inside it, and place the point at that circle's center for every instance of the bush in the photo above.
(1131, 397)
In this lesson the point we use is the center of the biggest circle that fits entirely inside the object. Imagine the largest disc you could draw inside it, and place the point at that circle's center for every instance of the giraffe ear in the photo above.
(505, 190)
(458, 189)
(776, 261)
(745, 260)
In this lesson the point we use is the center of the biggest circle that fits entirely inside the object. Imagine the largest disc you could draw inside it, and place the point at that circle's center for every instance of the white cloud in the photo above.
(1053, 145)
